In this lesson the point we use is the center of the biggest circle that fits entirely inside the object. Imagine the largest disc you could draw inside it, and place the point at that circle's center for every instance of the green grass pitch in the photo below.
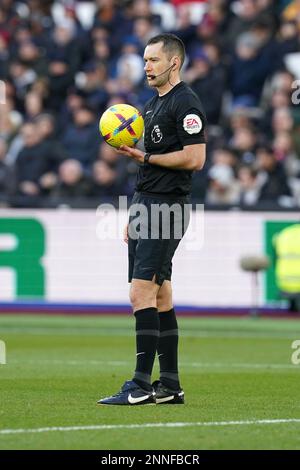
(242, 390)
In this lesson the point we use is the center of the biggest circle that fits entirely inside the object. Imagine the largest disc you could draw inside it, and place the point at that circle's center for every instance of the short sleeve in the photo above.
(190, 123)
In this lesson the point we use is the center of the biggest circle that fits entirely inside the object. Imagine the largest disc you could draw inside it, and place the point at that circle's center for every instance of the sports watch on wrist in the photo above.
(146, 158)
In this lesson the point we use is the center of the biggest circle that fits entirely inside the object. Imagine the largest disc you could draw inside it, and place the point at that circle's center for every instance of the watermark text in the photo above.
(2, 352)
(161, 221)
(295, 358)
(2, 92)
(296, 93)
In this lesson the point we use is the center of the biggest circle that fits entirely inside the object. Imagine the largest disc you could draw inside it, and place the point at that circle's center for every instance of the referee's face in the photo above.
(158, 65)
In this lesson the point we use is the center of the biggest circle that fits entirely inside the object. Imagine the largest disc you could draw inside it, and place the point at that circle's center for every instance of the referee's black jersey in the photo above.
(172, 121)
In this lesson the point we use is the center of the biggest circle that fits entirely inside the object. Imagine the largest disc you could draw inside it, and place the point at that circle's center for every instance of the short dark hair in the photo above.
(253, 172)
(171, 44)
(266, 148)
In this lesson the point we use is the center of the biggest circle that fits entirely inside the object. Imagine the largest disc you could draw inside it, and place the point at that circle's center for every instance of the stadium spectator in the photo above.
(287, 40)
(114, 19)
(282, 120)
(244, 14)
(64, 60)
(202, 80)
(10, 120)
(105, 180)
(31, 165)
(284, 151)
(22, 35)
(244, 142)
(248, 186)
(249, 70)
(32, 56)
(124, 168)
(239, 119)
(223, 187)
(213, 51)
(225, 156)
(6, 176)
(22, 77)
(130, 64)
(206, 30)
(81, 139)
(142, 8)
(144, 28)
(73, 102)
(72, 183)
(237, 64)
(33, 105)
(53, 151)
(102, 52)
(91, 83)
(279, 99)
(272, 177)
(4, 56)
(7, 18)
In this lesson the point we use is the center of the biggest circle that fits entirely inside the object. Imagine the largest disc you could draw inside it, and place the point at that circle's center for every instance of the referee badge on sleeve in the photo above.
(192, 124)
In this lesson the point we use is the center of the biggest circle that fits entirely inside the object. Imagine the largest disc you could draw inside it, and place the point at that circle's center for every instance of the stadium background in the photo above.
(61, 65)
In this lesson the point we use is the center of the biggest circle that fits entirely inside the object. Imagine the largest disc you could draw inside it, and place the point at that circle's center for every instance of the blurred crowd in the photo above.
(63, 63)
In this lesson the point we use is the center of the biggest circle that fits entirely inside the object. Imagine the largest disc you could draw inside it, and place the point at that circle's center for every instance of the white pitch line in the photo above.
(242, 365)
(102, 427)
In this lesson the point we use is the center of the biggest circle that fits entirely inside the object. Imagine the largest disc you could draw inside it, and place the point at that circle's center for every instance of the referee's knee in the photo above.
(142, 294)
(165, 305)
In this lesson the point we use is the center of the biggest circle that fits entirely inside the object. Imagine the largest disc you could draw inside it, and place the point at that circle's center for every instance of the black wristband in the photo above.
(146, 158)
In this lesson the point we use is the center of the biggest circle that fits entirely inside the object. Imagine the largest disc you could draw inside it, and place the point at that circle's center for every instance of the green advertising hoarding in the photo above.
(25, 258)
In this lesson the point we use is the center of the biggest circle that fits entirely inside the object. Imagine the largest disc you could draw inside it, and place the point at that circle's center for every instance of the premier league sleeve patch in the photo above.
(192, 124)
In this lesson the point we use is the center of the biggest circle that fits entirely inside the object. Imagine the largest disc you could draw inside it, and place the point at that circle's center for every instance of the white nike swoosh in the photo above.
(162, 400)
(133, 400)
(137, 354)
(149, 112)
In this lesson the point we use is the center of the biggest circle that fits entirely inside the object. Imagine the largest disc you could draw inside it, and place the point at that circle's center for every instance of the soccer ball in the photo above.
(121, 124)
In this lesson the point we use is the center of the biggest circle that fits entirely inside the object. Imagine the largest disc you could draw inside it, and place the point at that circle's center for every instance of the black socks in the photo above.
(147, 333)
(167, 349)
(156, 332)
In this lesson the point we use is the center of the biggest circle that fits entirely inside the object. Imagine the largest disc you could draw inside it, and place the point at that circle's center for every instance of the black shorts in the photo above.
(153, 239)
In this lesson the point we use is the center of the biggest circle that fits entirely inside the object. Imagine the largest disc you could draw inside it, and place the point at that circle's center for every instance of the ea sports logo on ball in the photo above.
(121, 124)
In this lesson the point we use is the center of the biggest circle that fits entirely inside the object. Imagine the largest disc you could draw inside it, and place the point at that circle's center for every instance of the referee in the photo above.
(175, 147)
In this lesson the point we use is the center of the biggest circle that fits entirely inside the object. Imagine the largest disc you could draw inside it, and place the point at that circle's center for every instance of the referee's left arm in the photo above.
(192, 157)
